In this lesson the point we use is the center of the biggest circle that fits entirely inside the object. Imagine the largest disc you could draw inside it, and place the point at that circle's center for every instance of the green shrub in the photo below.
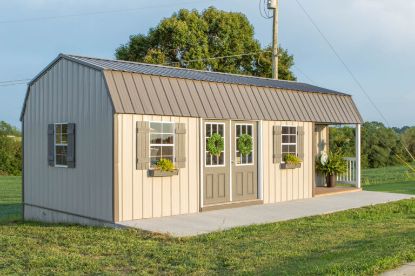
(292, 159)
(10, 156)
(334, 164)
(165, 165)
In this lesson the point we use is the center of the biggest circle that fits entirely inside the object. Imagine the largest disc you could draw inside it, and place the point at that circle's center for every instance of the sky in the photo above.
(376, 39)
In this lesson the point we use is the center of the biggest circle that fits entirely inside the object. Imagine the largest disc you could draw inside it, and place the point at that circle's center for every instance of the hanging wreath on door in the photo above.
(215, 144)
(245, 144)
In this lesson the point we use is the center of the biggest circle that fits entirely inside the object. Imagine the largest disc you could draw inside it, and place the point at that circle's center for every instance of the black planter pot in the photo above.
(331, 181)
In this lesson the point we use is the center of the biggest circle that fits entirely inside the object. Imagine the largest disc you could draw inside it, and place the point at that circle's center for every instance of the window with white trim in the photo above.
(61, 145)
(289, 141)
(213, 160)
(161, 142)
(240, 158)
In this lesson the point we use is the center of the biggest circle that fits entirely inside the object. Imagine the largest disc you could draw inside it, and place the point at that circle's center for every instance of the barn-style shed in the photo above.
(95, 131)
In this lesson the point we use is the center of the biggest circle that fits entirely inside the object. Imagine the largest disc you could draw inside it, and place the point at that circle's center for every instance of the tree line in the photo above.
(381, 146)
(10, 150)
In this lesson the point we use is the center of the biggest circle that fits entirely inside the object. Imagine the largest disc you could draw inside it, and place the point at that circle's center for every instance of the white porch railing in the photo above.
(350, 176)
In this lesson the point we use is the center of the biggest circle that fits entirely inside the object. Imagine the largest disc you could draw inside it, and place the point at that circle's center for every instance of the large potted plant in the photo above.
(331, 165)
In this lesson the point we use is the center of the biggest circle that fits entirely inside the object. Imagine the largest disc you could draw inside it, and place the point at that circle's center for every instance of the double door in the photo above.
(230, 176)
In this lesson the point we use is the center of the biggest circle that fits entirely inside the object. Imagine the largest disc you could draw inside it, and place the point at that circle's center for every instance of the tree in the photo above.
(7, 129)
(380, 145)
(342, 140)
(10, 150)
(408, 139)
(191, 39)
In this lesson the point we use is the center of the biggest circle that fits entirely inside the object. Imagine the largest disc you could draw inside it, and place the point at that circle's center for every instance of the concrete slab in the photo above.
(202, 223)
(406, 270)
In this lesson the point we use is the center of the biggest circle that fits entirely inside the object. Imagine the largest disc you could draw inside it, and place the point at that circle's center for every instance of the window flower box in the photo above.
(159, 173)
(287, 166)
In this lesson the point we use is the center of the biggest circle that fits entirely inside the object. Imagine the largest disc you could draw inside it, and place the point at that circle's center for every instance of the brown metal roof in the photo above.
(157, 95)
(137, 88)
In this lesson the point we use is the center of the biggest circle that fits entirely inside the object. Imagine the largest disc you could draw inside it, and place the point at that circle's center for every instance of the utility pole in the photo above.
(273, 5)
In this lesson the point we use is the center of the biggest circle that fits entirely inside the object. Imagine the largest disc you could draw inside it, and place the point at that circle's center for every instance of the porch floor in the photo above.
(325, 191)
(206, 222)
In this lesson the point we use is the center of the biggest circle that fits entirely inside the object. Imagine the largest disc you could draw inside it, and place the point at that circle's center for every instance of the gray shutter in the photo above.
(51, 145)
(143, 145)
(277, 140)
(180, 145)
(300, 142)
(70, 157)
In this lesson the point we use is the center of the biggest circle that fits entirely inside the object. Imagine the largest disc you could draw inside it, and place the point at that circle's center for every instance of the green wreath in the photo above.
(215, 144)
(245, 144)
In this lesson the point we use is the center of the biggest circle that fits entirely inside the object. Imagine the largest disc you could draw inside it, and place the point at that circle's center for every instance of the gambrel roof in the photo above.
(138, 88)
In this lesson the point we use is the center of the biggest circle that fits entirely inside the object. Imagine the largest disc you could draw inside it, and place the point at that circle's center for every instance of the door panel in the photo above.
(244, 168)
(216, 169)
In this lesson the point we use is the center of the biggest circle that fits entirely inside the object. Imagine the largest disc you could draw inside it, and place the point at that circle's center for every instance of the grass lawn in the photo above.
(362, 241)
(10, 198)
(397, 179)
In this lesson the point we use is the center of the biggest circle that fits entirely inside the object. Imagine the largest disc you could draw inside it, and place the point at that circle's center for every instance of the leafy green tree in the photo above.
(7, 129)
(342, 140)
(191, 39)
(10, 156)
(408, 139)
(10, 150)
(379, 145)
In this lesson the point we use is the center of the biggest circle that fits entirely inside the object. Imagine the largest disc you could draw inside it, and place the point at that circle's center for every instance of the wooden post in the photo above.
(260, 161)
(358, 156)
(275, 43)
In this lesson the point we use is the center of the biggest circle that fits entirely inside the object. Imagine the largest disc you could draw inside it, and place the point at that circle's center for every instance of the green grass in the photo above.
(398, 179)
(10, 198)
(364, 241)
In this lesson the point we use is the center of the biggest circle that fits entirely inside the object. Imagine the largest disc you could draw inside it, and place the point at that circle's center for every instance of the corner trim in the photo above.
(115, 190)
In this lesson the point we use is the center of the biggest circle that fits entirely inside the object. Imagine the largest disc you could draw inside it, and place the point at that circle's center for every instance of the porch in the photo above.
(207, 222)
(350, 181)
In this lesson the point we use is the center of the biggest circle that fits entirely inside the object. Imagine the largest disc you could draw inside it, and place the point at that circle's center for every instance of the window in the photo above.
(61, 145)
(212, 160)
(244, 159)
(289, 141)
(161, 142)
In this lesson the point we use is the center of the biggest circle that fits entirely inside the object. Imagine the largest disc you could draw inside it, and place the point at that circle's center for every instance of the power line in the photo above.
(97, 13)
(263, 11)
(11, 81)
(359, 84)
(12, 84)
(305, 75)
(5, 83)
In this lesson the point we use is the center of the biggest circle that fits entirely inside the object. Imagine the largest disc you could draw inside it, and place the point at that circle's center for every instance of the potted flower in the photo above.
(331, 165)
(291, 161)
(164, 167)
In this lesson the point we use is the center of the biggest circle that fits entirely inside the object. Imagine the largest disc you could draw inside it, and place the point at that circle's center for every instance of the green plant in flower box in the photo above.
(292, 159)
(165, 165)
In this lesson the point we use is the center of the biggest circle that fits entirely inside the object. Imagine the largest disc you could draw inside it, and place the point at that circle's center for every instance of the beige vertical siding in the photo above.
(284, 185)
(141, 196)
(70, 92)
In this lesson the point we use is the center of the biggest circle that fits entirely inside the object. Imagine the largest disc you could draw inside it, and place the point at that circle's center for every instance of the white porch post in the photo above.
(260, 163)
(358, 156)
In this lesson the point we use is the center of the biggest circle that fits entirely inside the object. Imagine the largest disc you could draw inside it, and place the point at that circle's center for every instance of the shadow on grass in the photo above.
(10, 212)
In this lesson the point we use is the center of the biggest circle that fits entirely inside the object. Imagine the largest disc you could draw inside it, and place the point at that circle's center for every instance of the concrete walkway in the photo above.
(406, 270)
(201, 223)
